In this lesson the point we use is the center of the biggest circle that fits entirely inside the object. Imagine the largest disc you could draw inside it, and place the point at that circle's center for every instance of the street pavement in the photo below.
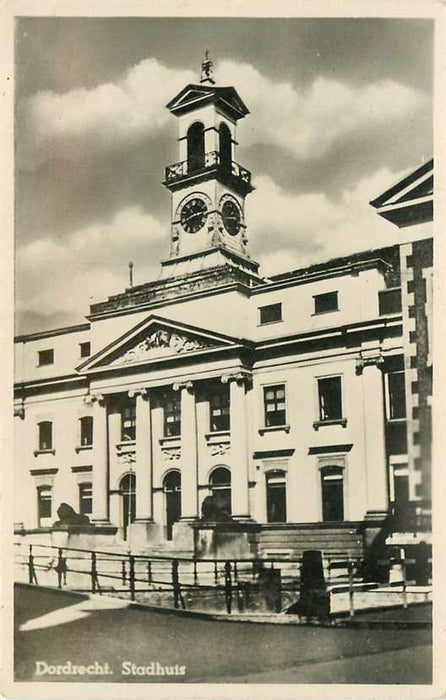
(94, 640)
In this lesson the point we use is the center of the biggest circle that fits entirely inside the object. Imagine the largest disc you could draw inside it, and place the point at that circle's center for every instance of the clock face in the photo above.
(193, 215)
(230, 214)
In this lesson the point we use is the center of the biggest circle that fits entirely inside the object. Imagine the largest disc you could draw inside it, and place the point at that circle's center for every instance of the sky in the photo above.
(340, 110)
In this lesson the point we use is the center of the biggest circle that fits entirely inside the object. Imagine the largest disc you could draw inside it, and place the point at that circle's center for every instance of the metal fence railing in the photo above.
(180, 579)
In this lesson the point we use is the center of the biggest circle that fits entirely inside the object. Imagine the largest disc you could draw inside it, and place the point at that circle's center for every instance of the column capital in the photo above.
(239, 377)
(138, 391)
(369, 358)
(90, 399)
(179, 386)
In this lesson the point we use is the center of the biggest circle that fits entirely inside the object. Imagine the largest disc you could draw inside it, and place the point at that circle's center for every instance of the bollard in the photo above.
(228, 587)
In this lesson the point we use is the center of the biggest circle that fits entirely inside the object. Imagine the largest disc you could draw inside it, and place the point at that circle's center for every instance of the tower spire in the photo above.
(207, 74)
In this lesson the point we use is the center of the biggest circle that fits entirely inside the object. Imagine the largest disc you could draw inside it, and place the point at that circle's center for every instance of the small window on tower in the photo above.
(270, 314)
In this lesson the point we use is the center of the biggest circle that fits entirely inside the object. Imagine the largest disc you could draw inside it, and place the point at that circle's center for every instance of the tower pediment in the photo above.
(193, 96)
(154, 340)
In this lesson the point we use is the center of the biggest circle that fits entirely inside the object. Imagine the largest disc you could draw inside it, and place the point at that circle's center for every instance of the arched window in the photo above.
(128, 493)
(195, 147)
(332, 478)
(276, 496)
(225, 145)
(86, 431)
(45, 435)
(220, 486)
(172, 491)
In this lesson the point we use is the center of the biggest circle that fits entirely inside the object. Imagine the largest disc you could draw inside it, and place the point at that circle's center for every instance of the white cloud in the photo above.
(55, 274)
(102, 117)
(289, 230)
(307, 122)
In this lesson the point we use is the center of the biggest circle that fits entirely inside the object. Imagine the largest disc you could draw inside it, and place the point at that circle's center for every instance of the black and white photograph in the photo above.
(223, 349)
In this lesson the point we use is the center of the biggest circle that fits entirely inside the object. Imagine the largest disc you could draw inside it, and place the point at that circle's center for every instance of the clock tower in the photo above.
(208, 186)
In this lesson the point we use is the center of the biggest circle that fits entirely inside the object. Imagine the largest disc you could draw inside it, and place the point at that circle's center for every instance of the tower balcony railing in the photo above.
(212, 161)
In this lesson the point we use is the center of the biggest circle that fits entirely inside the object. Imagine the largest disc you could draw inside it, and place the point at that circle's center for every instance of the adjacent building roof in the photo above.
(410, 200)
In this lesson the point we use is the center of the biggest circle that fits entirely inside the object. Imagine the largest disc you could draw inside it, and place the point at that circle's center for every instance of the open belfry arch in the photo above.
(215, 411)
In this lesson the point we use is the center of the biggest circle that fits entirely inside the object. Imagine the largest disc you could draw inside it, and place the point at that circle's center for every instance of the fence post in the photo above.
(149, 572)
(132, 576)
(215, 572)
(228, 586)
(404, 577)
(350, 588)
(123, 572)
(32, 578)
(175, 584)
(195, 573)
(59, 568)
(93, 573)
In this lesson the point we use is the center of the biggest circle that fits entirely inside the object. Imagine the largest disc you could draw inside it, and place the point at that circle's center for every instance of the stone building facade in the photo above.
(283, 398)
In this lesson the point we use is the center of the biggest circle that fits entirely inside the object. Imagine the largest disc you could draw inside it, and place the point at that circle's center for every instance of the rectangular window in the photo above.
(390, 301)
(44, 503)
(271, 313)
(325, 302)
(84, 349)
(397, 395)
(172, 417)
(128, 422)
(276, 496)
(46, 357)
(274, 403)
(45, 435)
(219, 409)
(86, 431)
(85, 499)
(330, 398)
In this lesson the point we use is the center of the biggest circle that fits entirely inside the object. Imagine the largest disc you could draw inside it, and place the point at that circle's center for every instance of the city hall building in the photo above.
(300, 403)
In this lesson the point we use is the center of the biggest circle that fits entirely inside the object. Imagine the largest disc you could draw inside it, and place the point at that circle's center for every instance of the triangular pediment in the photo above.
(192, 95)
(153, 340)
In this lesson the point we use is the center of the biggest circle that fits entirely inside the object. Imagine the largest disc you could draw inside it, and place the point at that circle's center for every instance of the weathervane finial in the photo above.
(207, 75)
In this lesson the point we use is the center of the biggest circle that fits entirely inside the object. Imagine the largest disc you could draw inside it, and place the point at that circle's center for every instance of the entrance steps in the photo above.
(334, 540)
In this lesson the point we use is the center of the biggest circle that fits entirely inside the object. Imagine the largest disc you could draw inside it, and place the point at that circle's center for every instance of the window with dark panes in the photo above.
(44, 503)
(85, 349)
(330, 398)
(390, 301)
(397, 395)
(270, 313)
(128, 422)
(86, 431)
(325, 302)
(276, 496)
(45, 435)
(46, 357)
(274, 403)
(86, 498)
(172, 416)
(332, 493)
(219, 409)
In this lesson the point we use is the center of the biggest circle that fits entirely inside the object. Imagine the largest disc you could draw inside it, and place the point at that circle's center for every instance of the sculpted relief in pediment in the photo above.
(161, 343)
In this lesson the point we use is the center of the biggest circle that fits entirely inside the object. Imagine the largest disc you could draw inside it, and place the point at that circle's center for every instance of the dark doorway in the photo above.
(195, 147)
(225, 143)
(401, 505)
(332, 494)
(172, 490)
(276, 496)
(128, 492)
(220, 485)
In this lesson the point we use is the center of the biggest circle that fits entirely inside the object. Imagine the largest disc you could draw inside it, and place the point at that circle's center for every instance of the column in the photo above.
(100, 459)
(189, 459)
(143, 463)
(239, 445)
(374, 433)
